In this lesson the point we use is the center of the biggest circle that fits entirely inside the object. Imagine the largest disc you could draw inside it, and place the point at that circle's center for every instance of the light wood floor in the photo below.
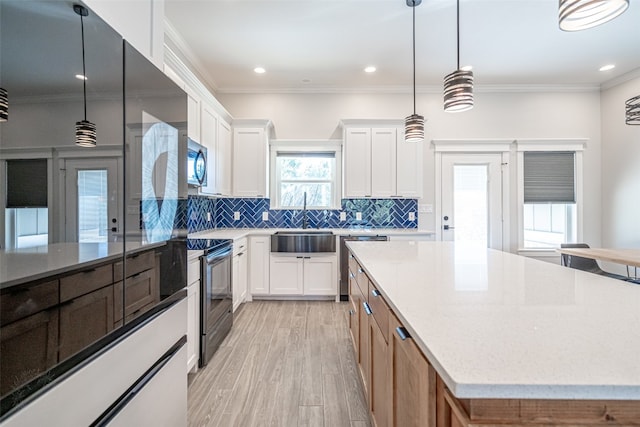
(285, 363)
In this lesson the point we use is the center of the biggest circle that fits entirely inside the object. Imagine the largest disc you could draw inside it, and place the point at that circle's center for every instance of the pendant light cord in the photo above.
(458, 31)
(414, 56)
(84, 72)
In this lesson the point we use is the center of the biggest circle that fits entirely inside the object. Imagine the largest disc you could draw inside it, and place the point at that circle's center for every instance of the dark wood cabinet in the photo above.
(28, 347)
(84, 320)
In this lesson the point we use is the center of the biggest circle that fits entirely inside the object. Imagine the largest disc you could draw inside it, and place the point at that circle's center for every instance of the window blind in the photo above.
(27, 183)
(549, 177)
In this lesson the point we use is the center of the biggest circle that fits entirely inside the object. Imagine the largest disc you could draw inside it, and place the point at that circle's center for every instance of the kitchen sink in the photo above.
(303, 241)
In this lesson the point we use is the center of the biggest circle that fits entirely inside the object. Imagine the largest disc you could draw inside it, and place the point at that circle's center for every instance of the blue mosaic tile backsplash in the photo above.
(376, 213)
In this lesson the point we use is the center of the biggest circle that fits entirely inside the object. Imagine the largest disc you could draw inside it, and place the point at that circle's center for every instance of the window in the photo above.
(313, 171)
(550, 198)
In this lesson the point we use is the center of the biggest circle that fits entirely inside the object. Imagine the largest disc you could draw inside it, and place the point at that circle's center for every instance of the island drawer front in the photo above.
(135, 264)
(84, 282)
(20, 302)
(141, 293)
(380, 310)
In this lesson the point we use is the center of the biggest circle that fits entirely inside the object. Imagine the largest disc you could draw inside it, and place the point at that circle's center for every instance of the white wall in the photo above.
(620, 169)
(495, 115)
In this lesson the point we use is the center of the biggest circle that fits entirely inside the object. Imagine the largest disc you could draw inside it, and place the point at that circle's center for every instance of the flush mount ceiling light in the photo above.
(633, 111)
(85, 130)
(576, 15)
(458, 86)
(4, 105)
(414, 124)
(259, 70)
(607, 67)
(370, 69)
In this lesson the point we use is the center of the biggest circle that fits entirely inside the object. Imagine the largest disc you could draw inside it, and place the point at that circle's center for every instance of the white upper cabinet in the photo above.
(357, 163)
(250, 158)
(223, 159)
(194, 115)
(383, 162)
(377, 161)
(140, 22)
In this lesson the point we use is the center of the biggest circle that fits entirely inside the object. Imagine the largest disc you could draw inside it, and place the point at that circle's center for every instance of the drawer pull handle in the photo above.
(350, 256)
(375, 293)
(91, 270)
(351, 275)
(367, 309)
(402, 333)
(351, 312)
(360, 270)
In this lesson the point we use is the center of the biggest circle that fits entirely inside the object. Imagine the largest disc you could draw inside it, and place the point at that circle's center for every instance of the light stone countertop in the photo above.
(24, 265)
(239, 233)
(499, 325)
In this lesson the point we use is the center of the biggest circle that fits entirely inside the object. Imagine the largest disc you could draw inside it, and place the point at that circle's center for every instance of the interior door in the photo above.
(92, 202)
(471, 198)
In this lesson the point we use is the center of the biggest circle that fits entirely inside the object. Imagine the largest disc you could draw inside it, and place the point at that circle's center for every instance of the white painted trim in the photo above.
(306, 144)
(472, 145)
(371, 123)
(633, 74)
(397, 89)
(552, 144)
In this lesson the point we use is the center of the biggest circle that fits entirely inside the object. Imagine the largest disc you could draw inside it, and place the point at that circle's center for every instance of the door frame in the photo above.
(471, 147)
(93, 154)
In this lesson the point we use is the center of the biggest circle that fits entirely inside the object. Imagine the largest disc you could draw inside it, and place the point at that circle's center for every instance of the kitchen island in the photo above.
(511, 340)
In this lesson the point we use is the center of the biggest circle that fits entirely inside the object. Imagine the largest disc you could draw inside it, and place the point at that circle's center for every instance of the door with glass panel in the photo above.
(471, 199)
(92, 202)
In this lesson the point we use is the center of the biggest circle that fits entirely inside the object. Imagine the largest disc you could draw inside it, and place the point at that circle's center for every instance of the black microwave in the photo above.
(196, 164)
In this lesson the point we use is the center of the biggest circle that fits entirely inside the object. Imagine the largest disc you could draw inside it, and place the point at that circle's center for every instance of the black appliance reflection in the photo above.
(216, 311)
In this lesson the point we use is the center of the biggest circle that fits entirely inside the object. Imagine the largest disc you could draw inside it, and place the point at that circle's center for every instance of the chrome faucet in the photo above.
(305, 220)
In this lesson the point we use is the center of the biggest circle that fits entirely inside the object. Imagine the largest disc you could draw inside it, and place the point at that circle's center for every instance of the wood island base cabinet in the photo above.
(403, 389)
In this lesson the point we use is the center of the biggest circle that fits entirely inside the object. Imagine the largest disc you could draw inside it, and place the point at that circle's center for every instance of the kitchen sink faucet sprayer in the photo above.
(305, 220)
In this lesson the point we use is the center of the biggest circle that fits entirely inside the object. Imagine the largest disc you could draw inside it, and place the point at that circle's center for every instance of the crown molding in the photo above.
(428, 89)
(633, 74)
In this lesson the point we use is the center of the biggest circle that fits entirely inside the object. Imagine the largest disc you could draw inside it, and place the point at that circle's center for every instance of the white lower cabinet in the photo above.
(258, 270)
(239, 273)
(296, 274)
(193, 310)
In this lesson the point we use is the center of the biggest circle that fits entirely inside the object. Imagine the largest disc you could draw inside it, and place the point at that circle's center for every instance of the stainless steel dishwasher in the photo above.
(344, 261)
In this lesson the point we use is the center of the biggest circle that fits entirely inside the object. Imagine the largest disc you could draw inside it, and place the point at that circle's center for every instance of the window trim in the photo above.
(576, 145)
(308, 146)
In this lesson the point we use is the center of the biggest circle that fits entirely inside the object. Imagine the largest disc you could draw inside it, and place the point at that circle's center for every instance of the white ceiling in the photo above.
(324, 45)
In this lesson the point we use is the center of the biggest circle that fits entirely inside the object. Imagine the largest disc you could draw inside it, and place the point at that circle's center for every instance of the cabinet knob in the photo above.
(350, 256)
(351, 275)
(351, 312)
(402, 333)
(375, 293)
(367, 309)
(360, 270)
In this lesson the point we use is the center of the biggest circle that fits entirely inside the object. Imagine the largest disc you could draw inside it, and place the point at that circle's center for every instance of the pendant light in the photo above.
(4, 105)
(633, 111)
(85, 130)
(576, 15)
(414, 124)
(458, 86)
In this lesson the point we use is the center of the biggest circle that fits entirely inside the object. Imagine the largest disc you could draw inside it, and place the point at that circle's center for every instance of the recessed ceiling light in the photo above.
(466, 68)
(259, 70)
(370, 69)
(81, 77)
(607, 67)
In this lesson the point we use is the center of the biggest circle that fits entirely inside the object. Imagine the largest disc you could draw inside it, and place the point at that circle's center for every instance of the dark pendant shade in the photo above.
(458, 91)
(576, 15)
(633, 111)
(4, 105)
(414, 128)
(85, 134)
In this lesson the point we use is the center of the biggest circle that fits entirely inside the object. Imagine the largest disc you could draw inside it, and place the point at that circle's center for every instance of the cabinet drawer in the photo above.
(240, 246)
(85, 282)
(362, 280)
(140, 293)
(135, 264)
(353, 264)
(380, 310)
(19, 302)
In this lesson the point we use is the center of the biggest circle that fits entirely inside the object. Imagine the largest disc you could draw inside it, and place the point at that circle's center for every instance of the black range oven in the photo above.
(216, 309)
